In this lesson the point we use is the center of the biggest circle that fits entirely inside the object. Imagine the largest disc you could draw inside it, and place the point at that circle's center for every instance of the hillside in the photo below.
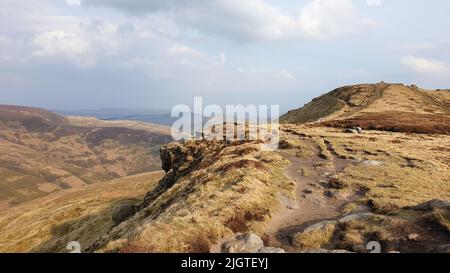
(84, 214)
(382, 106)
(323, 190)
(42, 152)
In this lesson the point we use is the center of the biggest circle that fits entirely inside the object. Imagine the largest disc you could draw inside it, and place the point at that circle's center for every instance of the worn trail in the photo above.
(311, 205)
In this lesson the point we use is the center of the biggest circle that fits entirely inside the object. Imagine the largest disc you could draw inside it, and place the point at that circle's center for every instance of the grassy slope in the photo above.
(47, 224)
(236, 192)
(392, 107)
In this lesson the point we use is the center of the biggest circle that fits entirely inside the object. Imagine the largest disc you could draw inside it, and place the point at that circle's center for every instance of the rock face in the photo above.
(179, 159)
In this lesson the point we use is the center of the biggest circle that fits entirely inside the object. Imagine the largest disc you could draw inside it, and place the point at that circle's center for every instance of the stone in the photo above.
(433, 204)
(319, 226)
(413, 236)
(271, 250)
(374, 163)
(350, 131)
(244, 243)
(354, 217)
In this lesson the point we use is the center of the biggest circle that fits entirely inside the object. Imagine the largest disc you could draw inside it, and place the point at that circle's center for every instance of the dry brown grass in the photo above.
(315, 239)
(232, 194)
(392, 174)
(47, 224)
(397, 122)
(389, 107)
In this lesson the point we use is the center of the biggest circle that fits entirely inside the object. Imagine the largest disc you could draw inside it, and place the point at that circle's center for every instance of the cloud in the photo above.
(252, 20)
(441, 46)
(282, 74)
(69, 46)
(327, 19)
(426, 67)
(73, 2)
(222, 58)
(374, 2)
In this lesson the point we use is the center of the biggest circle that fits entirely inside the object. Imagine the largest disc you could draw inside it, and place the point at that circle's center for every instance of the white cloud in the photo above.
(73, 2)
(282, 74)
(222, 58)
(66, 45)
(327, 19)
(253, 20)
(374, 2)
(426, 67)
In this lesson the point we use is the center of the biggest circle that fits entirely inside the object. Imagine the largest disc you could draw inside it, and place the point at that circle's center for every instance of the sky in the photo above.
(91, 54)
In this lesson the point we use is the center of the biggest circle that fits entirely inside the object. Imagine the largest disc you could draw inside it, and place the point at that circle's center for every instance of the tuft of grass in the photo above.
(315, 239)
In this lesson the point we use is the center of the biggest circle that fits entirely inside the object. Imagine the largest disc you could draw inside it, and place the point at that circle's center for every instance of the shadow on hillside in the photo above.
(87, 230)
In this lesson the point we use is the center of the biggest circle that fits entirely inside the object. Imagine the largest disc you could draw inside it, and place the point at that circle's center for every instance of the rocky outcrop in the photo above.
(179, 159)
(431, 205)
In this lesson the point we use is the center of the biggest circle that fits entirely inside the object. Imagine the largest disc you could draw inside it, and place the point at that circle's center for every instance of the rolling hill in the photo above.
(382, 106)
(42, 152)
(323, 190)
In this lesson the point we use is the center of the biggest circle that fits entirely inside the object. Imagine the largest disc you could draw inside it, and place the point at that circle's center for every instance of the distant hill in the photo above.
(161, 117)
(382, 106)
(43, 152)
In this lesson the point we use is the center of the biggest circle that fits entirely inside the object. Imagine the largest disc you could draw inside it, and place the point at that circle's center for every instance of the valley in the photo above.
(42, 152)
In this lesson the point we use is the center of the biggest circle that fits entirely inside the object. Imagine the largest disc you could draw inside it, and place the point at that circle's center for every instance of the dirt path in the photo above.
(311, 205)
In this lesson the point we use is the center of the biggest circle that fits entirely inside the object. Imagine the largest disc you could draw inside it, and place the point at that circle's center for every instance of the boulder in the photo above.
(244, 243)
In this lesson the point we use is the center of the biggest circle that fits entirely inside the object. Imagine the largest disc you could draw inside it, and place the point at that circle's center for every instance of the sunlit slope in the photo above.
(47, 224)
(392, 107)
